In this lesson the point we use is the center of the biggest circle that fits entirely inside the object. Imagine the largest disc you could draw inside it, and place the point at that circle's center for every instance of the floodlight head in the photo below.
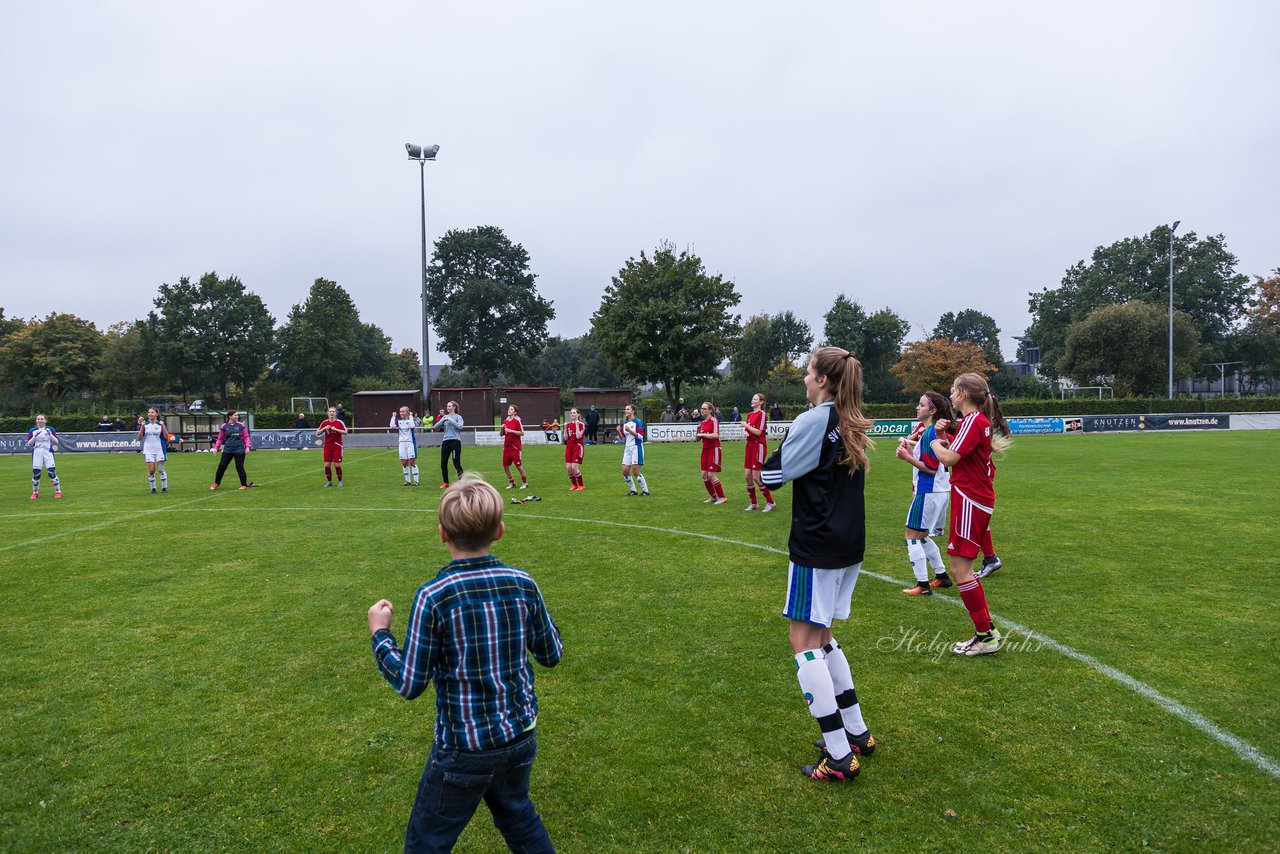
(1176, 223)
(417, 152)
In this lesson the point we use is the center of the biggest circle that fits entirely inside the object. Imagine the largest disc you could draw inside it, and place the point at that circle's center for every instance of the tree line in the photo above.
(663, 320)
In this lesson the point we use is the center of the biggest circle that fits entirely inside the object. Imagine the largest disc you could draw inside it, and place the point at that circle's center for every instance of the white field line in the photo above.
(1242, 748)
(134, 514)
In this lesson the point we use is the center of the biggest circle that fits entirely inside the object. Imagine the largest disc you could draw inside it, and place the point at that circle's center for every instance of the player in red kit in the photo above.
(575, 431)
(757, 429)
(333, 430)
(709, 433)
(512, 442)
(973, 497)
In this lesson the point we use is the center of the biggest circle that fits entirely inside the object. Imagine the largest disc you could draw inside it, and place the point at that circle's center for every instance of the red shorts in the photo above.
(511, 457)
(333, 453)
(754, 460)
(969, 522)
(573, 453)
(710, 459)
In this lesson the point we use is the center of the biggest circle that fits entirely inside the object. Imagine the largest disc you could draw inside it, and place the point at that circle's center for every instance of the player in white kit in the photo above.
(406, 423)
(155, 449)
(43, 441)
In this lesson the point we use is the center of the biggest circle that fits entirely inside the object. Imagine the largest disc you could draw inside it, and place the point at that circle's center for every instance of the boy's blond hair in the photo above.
(470, 512)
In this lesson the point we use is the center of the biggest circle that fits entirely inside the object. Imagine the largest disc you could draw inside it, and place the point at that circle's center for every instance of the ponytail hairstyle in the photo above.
(975, 388)
(941, 406)
(844, 375)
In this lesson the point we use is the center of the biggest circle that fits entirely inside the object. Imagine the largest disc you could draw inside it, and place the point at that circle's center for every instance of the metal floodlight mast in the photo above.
(1176, 223)
(422, 154)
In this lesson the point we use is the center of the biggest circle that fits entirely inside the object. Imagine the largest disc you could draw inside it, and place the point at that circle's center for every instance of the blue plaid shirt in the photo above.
(470, 631)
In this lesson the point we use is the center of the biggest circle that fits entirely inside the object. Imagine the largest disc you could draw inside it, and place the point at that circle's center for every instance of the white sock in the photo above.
(151, 479)
(842, 685)
(413, 469)
(164, 478)
(915, 554)
(819, 692)
(53, 476)
(631, 484)
(934, 556)
(405, 469)
(644, 487)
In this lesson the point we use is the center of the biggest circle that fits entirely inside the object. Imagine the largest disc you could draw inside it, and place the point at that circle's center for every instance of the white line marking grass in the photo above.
(1246, 751)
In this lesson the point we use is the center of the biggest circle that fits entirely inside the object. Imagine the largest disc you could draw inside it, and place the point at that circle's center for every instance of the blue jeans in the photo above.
(455, 781)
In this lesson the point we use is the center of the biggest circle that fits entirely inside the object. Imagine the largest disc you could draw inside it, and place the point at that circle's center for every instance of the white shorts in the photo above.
(408, 451)
(42, 459)
(927, 511)
(633, 455)
(819, 596)
(153, 456)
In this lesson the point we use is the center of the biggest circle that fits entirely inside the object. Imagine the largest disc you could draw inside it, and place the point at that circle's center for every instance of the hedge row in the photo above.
(274, 419)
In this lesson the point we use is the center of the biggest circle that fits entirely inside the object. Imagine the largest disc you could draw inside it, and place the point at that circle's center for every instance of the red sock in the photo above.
(751, 491)
(988, 548)
(719, 488)
(975, 600)
(768, 496)
(328, 474)
(339, 472)
(711, 490)
(580, 481)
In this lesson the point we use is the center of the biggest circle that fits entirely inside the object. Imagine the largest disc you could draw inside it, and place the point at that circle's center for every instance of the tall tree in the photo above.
(406, 369)
(844, 324)
(239, 332)
(1128, 343)
(484, 303)
(972, 325)
(882, 338)
(126, 368)
(1206, 287)
(174, 334)
(374, 347)
(931, 365)
(665, 320)
(210, 333)
(1266, 306)
(764, 341)
(320, 342)
(54, 356)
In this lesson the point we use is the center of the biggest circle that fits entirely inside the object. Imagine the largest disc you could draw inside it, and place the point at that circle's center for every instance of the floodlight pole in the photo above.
(1171, 231)
(422, 154)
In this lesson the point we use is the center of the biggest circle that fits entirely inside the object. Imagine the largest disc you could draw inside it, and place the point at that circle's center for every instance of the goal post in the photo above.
(309, 404)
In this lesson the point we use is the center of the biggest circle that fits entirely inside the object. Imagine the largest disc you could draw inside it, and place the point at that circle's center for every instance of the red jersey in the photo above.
(333, 436)
(974, 475)
(757, 420)
(513, 440)
(574, 431)
(711, 425)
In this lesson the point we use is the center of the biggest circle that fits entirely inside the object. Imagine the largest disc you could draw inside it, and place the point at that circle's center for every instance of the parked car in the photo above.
(196, 406)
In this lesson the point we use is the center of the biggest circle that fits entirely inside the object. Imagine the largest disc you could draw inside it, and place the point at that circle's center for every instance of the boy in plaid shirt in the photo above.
(471, 630)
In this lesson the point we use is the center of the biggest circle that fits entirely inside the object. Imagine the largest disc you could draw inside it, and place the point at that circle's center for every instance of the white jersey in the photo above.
(153, 444)
(406, 427)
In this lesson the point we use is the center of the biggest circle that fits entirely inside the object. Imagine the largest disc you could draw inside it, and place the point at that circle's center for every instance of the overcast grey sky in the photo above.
(927, 157)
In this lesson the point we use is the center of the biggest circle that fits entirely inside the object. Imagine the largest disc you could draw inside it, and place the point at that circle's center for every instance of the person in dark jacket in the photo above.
(234, 442)
(593, 425)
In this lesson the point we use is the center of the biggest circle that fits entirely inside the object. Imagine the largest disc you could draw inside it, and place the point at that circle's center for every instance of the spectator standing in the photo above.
(593, 425)
(471, 630)
(776, 413)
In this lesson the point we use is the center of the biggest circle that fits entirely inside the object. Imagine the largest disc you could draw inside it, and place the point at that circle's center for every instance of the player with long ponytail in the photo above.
(973, 497)
(825, 456)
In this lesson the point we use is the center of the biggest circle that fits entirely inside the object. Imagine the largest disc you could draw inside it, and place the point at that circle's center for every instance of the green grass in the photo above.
(192, 671)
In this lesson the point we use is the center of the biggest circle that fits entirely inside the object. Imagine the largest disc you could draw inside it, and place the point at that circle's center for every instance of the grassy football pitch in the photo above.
(192, 671)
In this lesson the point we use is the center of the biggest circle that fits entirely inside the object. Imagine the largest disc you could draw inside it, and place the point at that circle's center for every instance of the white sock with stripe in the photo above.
(405, 469)
(842, 684)
(934, 556)
(915, 554)
(413, 469)
(820, 694)
(644, 487)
